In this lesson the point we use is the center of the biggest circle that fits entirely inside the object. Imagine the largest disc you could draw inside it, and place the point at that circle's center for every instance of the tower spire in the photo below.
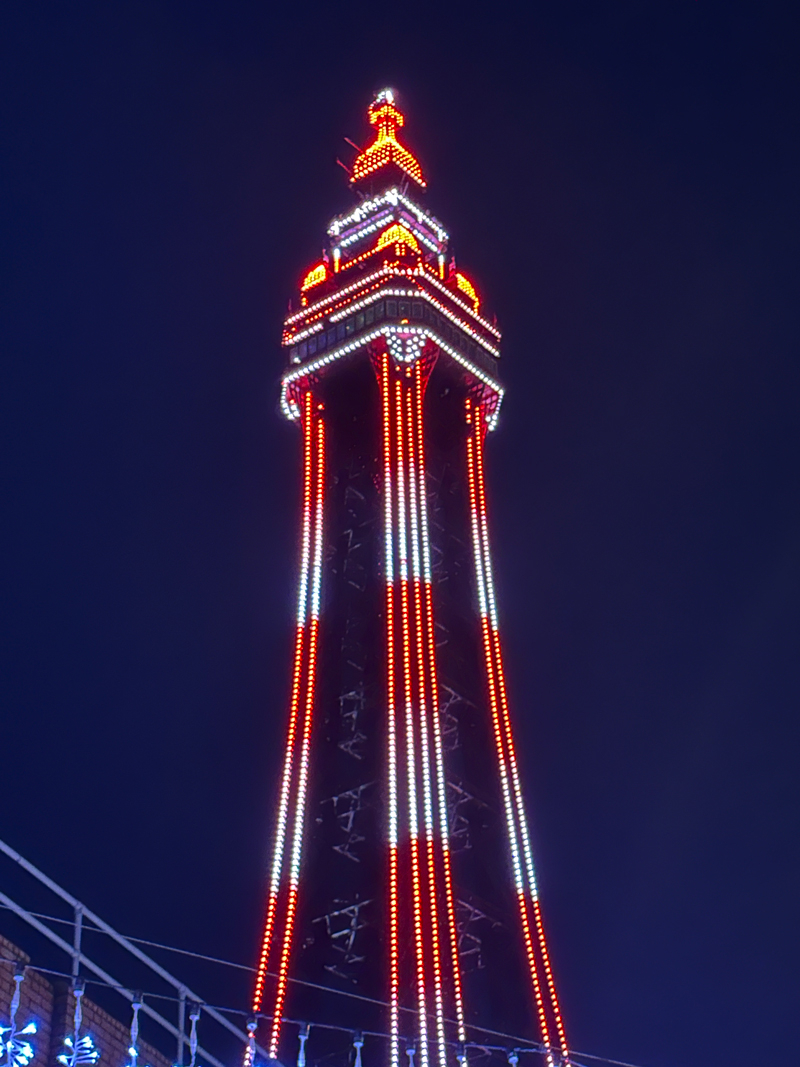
(384, 114)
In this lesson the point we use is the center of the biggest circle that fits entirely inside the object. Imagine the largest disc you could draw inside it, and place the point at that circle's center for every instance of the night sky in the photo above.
(621, 179)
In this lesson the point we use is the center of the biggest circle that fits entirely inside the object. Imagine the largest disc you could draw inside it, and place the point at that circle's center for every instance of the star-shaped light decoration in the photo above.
(79, 1049)
(16, 1051)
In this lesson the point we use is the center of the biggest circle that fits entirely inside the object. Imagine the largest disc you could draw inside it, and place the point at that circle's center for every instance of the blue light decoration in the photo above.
(80, 1050)
(194, 1015)
(83, 1050)
(16, 1051)
(133, 1048)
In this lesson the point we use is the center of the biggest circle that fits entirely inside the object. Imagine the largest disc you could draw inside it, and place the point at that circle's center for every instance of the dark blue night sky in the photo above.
(621, 180)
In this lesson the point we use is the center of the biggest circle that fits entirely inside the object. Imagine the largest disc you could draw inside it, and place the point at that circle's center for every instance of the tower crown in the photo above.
(386, 117)
(387, 277)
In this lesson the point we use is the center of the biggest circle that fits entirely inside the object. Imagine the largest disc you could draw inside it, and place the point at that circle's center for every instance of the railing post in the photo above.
(303, 1036)
(181, 1024)
(194, 1015)
(76, 941)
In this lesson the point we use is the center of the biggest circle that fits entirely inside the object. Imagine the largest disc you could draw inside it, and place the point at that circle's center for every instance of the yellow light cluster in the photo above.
(395, 238)
(386, 148)
(314, 277)
(398, 236)
(466, 286)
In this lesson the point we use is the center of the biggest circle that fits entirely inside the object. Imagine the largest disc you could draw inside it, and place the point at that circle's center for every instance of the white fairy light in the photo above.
(292, 412)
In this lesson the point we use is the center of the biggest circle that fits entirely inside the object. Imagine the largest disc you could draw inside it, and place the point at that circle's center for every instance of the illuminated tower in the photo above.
(402, 900)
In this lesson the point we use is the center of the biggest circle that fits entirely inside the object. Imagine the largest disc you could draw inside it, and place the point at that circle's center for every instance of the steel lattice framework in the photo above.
(389, 877)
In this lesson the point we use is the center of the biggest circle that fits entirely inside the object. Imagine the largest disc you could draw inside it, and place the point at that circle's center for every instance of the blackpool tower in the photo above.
(402, 920)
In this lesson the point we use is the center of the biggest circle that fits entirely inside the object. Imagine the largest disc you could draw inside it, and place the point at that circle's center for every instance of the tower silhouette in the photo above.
(402, 901)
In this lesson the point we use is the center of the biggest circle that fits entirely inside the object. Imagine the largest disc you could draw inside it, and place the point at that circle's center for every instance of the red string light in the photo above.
(394, 939)
(423, 684)
(302, 783)
(411, 763)
(496, 650)
(429, 639)
(286, 778)
(473, 421)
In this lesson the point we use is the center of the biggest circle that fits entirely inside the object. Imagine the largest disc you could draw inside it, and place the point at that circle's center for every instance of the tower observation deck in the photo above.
(402, 901)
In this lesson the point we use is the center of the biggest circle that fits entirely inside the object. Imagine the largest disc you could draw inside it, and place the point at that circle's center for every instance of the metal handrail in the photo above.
(78, 957)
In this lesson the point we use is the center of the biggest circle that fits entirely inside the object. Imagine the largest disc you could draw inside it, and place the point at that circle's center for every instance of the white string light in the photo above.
(292, 411)
(393, 197)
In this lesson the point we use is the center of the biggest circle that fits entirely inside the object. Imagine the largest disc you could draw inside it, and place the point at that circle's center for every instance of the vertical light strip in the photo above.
(509, 738)
(288, 761)
(472, 420)
(394, 936)
(302, 784)
(413, 818)
(419, 393)
(427, 781)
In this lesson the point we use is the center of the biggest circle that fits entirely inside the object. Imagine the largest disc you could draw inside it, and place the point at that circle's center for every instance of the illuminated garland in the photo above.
(366, 230)
(415, 294)
(303, 769)
(379, 294)
(411, 767)
(291, 735)
(382, 272)
(508, 804)
(291, 410)
(429, 640)
(295, 339)
(394, 937)
(394, 197)
(470, 310)
(422, 687)
(509, 744)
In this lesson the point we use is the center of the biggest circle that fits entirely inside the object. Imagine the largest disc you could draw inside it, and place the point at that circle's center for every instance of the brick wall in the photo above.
(36, 1001)
(51, 1004)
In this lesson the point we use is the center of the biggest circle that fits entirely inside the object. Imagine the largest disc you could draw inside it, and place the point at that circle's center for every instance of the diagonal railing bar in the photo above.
(23, 913)
(121, 940)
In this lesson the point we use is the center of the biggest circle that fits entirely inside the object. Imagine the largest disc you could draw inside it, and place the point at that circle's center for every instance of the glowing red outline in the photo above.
(419, 391)
(394, 940)
(480, 434)
(474, 423)
(291, 734)
(302, 783)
